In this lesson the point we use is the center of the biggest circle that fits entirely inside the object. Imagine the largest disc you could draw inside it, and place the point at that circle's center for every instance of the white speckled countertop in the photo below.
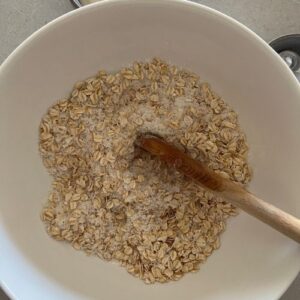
(268, 18)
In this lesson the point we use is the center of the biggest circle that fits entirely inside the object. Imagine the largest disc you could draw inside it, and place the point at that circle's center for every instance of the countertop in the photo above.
(268, 18)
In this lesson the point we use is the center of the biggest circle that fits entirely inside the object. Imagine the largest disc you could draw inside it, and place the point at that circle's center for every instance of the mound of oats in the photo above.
(114, 201)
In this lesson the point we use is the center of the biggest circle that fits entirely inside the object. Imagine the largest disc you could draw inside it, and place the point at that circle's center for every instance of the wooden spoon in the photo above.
(232, 192)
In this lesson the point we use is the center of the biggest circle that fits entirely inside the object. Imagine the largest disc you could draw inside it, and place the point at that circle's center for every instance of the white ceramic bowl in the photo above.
(254, 261)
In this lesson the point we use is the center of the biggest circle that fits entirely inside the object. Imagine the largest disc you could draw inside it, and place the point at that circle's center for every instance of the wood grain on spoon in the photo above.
(232, 192)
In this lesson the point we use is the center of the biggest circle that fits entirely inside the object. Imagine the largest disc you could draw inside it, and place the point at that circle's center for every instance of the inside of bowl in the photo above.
(254, 262)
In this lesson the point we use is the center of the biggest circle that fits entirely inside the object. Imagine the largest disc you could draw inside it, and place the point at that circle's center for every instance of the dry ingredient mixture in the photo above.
(117, 202)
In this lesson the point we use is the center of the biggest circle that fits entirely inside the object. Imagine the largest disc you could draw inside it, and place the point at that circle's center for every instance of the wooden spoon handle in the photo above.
(266, 212)
(234, 193)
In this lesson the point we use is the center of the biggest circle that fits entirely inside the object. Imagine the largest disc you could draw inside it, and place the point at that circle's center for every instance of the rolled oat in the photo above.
(111, 200)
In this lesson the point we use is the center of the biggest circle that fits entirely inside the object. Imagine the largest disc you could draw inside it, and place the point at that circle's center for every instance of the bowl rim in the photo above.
(213, 12)
(85, 9)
